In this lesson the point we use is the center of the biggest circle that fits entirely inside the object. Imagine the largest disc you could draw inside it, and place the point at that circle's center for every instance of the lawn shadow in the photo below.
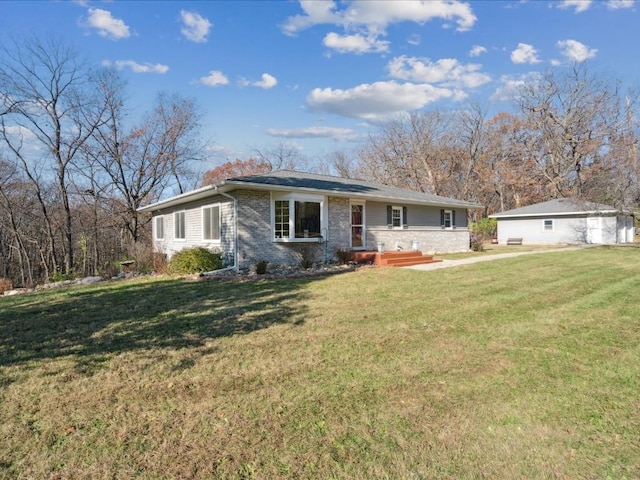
(95, 322)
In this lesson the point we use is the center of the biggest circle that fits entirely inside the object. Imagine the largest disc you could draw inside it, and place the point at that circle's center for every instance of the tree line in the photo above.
(74, 168)
(75, 165)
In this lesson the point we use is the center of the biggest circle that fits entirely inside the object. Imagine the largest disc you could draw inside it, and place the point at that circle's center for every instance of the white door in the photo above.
(594, 230)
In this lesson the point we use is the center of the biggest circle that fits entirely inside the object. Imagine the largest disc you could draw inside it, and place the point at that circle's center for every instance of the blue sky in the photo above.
(319, 76)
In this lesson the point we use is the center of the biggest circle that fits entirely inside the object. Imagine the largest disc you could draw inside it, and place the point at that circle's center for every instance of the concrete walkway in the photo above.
(488, 258)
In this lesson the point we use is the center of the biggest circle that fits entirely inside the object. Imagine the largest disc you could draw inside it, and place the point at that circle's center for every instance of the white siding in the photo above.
(566, 229)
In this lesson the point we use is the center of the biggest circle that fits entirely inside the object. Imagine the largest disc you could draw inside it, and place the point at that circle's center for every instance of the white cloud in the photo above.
(378, 100)
(136, 67)
(267, 81)
(576, 51)
(618, 4)
(477, 50)
(214, 78)
(377, 15)
(525, 53)
(195, 27)
(447, 71)
(510, 86)
(220, 151)
(106, 25)
(579, 5)
(355, 43)
(311, 132)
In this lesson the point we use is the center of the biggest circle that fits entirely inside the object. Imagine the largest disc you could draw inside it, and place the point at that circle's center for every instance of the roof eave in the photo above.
(229, 185)
(547, 214)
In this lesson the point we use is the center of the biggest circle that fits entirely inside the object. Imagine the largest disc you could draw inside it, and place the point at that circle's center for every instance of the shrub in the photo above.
(194, 260)
(5, 284)
(306, 254)
(344, 255)
(110, 270)
(487, 227)
(261, 267)
(160, 263)
(477, 243)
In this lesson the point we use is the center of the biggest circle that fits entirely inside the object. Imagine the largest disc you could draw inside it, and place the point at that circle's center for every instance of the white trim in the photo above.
(155, 227)
(363, 225)
(292, 197)
(555, 214)
(202, 209)
(395, 208)
(544, 225)
(444, 219)
(175, 224)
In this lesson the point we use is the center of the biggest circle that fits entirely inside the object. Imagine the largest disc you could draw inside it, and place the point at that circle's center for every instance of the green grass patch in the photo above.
(520, 368)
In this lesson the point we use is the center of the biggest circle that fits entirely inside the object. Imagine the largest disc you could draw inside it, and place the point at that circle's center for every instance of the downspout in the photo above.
(235, 236)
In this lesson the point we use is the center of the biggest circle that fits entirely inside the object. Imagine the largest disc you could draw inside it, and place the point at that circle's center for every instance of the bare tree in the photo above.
(571, 117)
(281, 157)
(48, 94)
(149, 159)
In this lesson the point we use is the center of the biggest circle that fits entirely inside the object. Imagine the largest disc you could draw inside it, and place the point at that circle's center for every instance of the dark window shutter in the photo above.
(442, 218)
(453, 218)
(404, 216)
(389, 215)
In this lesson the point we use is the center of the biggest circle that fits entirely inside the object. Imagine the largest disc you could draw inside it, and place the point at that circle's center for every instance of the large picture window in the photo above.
(297, 219)
(179, 226)
(211, 222)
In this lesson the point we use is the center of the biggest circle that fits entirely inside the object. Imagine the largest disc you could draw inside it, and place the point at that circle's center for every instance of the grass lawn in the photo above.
(519, 368)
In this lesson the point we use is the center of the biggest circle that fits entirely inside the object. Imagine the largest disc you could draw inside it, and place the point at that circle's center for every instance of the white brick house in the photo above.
(268, 216)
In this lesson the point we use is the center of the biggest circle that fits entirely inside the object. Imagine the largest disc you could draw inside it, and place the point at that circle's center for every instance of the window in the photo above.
(297, 218)
(447, 218)
(307, 219)
(179, 226)
(396, 217)
(547, 225)
(211, 222)
(282, 219)
(159, 228)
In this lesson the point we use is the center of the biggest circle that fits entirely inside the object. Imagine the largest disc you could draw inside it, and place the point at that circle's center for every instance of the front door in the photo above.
(357, 226)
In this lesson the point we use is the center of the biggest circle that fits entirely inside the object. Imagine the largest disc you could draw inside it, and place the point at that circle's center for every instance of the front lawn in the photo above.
(519, 368)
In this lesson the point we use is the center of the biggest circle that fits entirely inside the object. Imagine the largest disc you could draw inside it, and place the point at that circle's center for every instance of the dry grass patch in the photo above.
(520, 368)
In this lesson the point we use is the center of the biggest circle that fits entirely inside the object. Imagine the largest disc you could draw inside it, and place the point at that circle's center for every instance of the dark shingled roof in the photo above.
(559, 206)
(312, 183)
(343, 186)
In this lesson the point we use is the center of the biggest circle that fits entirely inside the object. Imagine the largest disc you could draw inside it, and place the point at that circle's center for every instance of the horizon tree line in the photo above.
(75, 166)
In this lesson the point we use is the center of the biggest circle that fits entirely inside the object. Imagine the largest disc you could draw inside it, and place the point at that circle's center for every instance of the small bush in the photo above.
(110, 270)
(306, 255)
(261, 267)
(5, 285)
(194, 260)
(160, 263)
(60, 276)
(487, 227)
(477, 243)
(344, 255)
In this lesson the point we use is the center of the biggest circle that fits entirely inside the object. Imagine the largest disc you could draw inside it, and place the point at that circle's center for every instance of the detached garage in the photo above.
(565, 220)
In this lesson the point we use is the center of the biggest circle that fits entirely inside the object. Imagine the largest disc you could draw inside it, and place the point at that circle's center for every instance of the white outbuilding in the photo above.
(566, 220)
